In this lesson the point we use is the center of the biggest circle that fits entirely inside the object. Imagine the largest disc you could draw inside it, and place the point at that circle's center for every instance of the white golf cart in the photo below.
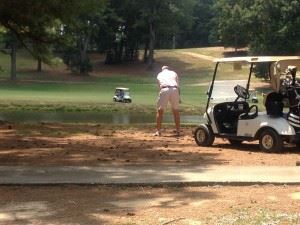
(122, 95)
(228, 113)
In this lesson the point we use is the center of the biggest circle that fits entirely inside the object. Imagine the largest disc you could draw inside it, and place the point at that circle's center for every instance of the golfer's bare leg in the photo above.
(176, 119)
(159, 115)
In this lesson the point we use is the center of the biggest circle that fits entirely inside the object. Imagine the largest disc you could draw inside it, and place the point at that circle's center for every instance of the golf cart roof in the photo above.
(255, 59)
(122, 88)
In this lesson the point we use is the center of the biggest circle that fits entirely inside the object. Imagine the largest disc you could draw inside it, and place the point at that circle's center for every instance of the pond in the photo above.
(91, 117)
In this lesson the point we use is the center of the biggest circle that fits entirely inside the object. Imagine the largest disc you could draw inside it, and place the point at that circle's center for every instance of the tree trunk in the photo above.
(136, 53)
(109, 59)
(39, 64)
(83, 55)
(151, 46)
(174, 41)
(120, 51)
(146, 52)
(13, 59)
(235, 44)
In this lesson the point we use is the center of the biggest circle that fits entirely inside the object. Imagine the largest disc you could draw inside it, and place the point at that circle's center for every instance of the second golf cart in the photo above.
(122, 95)
(229, 115)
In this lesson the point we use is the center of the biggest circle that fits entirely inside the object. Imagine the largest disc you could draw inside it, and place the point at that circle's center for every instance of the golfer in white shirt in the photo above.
(169, 92)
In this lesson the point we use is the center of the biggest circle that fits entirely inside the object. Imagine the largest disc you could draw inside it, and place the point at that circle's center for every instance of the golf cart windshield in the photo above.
(223, 90)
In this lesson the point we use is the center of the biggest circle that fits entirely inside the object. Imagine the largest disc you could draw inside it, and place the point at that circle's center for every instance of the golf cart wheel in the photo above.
(270, 141)
(235, 142)
(204, 136)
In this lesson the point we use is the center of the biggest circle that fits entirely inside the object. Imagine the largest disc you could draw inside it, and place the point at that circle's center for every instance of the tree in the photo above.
(275, 27)
(124, 31)
(230, 24)
(268, 27)
(9, 45)
(35, 24)
(198, 33)
(130, 24)
(162, 16)
(180, 19)
(79, 34)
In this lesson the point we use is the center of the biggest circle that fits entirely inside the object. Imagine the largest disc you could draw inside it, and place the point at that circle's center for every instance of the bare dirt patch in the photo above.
(89, 205)
(92, 145)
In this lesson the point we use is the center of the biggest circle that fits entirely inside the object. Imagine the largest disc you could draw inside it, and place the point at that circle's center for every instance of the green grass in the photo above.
(55, 89)
(96, 96)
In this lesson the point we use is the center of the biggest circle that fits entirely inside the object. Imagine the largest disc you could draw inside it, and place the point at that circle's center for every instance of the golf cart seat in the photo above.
(274, 104)
(250, 114)
(227, 114)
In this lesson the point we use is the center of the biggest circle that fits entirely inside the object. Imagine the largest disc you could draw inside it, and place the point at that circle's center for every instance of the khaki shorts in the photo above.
(168, 95)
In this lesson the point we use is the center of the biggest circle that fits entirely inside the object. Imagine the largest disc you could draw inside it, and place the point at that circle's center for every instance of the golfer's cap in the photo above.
(164, 67)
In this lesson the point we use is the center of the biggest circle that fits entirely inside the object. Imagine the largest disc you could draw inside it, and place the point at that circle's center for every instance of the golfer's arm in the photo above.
(158, 85)
(178, 86)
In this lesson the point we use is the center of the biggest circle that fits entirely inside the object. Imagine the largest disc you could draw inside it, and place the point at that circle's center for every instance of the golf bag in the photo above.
(294, 113)
(293, 95)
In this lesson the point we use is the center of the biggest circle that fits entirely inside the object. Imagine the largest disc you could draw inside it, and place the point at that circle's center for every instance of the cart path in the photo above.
(200, 56)
(148, 175)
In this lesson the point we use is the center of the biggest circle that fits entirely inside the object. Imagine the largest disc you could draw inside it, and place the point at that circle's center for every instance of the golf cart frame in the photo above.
(238, 122)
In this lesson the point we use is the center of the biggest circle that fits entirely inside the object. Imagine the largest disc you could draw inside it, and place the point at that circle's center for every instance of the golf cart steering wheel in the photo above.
(241, 92)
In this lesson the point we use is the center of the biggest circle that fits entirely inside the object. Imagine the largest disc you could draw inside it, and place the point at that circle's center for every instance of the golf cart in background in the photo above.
(229, 114)
(122, 95)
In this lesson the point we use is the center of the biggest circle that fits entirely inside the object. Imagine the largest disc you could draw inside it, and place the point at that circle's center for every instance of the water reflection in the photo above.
(90, 117)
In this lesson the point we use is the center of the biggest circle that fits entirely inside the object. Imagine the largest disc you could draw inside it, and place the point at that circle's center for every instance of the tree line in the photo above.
(121, 28)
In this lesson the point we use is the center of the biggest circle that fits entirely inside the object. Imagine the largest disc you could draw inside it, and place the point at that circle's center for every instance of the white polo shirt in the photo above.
(167, 78)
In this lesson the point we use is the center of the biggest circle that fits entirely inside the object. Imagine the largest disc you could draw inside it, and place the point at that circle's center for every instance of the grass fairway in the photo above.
(90, 96)
(57, 89)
